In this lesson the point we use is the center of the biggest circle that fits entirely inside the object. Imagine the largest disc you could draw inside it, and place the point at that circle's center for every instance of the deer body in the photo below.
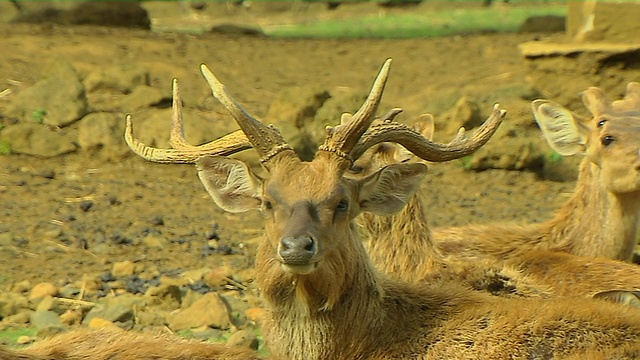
(124, 345)
(593, 222)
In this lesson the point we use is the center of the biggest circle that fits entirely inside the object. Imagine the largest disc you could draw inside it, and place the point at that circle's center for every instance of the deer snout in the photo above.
(298, 250)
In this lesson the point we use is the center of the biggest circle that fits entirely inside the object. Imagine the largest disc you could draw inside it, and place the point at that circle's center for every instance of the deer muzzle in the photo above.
(297, 254)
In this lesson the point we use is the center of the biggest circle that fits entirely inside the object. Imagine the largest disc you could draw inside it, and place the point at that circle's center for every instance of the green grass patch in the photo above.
(419, 25)
(10, 335)
(5, 147)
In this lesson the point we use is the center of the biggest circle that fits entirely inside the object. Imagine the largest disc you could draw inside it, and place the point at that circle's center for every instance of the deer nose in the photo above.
(297, 250)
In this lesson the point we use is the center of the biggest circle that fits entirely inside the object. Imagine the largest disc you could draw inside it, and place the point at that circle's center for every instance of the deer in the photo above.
(406, 246)
(324, 297)
(108, 344)
(401, 244)
(601, 218)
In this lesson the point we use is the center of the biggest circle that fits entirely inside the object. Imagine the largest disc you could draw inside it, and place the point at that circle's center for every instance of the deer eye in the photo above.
(343, 205)
(607, 140)
(267, 205)
(355, 169)
(601, 123)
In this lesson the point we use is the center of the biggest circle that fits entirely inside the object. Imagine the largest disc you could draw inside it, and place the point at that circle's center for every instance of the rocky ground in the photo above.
(91, 234)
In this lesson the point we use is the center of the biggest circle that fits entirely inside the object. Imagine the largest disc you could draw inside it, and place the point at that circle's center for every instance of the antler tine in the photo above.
(183, 152)
(267, 140)
(176, 137)
(426, 149)
(341, 139)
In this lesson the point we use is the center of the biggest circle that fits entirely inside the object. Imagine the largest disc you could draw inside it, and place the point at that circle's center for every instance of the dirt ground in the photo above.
(70, 217)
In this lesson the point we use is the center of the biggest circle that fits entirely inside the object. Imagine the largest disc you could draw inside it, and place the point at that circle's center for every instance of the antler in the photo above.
(342, 138)
(183, 152)
(424, 148)
(267, 140)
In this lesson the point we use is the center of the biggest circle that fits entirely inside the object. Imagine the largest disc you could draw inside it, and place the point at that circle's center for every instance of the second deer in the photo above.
(601, 218)
(406, 246)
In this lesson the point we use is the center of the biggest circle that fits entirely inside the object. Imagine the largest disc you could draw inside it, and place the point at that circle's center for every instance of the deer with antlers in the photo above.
(404, 246)
(324, 298)
(601, 218)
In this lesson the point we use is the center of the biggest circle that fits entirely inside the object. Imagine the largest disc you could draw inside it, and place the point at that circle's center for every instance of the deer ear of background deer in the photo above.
(565, 132)
(388, 190)
(425, 125)
(233, 187)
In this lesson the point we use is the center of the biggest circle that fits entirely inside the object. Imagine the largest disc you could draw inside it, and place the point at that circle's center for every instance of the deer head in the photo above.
(610, 139)
(308, 206)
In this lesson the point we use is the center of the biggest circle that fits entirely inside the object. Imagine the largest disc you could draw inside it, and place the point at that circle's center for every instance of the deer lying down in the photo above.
(601, 218)
(324, 298)
(403, 246)
(124, 345)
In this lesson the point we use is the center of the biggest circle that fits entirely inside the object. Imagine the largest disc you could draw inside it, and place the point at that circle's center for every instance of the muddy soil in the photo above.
(71, 217)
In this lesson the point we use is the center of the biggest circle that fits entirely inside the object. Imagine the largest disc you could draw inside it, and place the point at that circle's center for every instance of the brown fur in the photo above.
(120, 345)
(325, 300)
(344, 309)
(404, 245)
(601, 218)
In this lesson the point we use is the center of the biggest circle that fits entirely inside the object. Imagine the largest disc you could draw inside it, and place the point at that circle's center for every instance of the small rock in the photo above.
(142, 96)
(58, 99)
(41, 290)
(243, 338)
(218, 277)
(71, 317)
(47, 323)
(154, 240)
(464, 113)
(21, 317)
(49, 303)
(195, 275)
(256, 314)
(120, 311)
(102, 132)
(100, 323)
(210, 310)
(37, 139)
(25, 340)
(86, 205)
(122, 78)
(123, 268)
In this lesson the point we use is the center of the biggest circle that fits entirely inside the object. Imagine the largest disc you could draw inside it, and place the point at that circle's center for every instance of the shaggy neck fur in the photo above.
(596, 222)
(312, 312)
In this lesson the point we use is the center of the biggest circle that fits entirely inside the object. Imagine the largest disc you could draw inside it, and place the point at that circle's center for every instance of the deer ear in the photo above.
(566, 133)
(388, 190)
(230, 183)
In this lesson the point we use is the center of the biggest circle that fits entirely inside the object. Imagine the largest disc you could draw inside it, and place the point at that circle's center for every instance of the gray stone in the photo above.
(243, 338)
(121, 78)
(141, 97)
(464, 113)
(36, 139)
(511, 148)
(47, 323)
(58, 99)
(154, 240)
(114, 312)
(293, 111)
(102, 133)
